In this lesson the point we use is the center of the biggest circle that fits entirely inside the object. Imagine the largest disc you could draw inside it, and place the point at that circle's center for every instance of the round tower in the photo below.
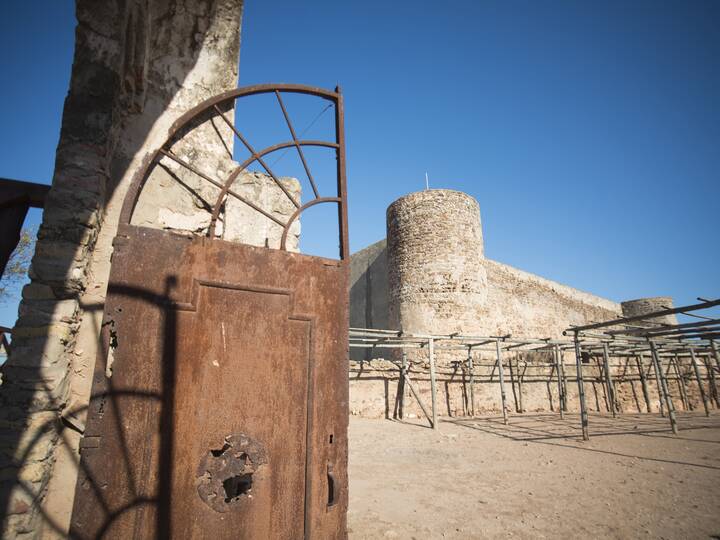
(437, 282)
(641, 306)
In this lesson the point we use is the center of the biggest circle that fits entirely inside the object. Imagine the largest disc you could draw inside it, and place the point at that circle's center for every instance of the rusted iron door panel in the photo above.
(226, 412)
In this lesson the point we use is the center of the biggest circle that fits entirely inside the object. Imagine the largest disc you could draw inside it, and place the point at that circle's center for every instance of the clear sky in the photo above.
(589, 132)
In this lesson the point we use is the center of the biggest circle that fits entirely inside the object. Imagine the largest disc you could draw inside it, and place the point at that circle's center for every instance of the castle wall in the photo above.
(431, 277)
(526, 305)
(368, 292)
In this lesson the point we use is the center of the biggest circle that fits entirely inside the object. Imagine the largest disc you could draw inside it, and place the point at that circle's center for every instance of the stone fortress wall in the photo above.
(431, 277)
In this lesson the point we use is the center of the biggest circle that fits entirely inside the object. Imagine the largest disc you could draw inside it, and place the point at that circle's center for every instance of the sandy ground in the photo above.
(476, 478)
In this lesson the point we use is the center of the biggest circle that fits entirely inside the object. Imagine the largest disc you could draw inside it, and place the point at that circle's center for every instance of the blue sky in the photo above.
(589, 132)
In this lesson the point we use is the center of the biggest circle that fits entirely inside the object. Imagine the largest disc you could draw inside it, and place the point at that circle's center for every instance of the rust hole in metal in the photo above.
(237, 486)
(227, 476)
(221, 451)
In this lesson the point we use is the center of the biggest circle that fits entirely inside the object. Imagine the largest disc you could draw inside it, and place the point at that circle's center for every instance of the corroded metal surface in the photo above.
(220, 400)
(227, 476)
(225, 339)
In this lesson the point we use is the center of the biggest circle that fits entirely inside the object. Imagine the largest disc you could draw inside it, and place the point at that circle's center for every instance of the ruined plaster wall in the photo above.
(138, 66)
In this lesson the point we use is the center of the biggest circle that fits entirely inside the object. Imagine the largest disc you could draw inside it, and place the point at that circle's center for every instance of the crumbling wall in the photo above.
(138, 66)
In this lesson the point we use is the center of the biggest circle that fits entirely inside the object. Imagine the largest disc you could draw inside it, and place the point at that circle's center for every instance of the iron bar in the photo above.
(297, 144)
(256, 156)
(217, 184)
(653, 315)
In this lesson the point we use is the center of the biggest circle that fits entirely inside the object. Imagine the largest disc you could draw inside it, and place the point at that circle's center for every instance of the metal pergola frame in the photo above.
(628, 337)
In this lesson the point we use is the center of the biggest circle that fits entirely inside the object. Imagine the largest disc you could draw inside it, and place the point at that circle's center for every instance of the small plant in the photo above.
(18, 265)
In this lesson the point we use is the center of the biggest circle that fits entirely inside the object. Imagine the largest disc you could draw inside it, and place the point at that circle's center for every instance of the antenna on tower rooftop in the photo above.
(427, 181)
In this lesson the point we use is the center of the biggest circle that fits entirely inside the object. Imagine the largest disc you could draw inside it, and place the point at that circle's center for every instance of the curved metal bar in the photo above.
(245, 164)
(300, 211)
(142, 174)
(256, 156)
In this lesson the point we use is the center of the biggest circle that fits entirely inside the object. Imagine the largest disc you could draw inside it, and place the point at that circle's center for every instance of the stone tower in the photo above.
(437, 282)
(641, 306)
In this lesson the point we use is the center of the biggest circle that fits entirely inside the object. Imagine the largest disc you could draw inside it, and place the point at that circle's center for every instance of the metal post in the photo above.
(416, 395)
(433, 382)
(581, 391)
(608, 380)
(563, 378)
(502, 381)
(643, 380)
(681, 383)
(520, 377)
(696, 368)
(656, 369)
(711, 373)
(561, 395)
(401, 384)
(663, 387)
(715, 353)
(472, 382)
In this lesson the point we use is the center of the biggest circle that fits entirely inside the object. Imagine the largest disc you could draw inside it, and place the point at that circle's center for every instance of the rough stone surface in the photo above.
(641, 306)
(137, 67)
(436, 280)
(431, 277)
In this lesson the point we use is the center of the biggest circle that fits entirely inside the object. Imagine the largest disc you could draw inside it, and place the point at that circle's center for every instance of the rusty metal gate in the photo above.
(219, 405)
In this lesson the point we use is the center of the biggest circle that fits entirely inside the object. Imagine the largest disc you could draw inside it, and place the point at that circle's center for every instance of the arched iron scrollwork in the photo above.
(215, 107)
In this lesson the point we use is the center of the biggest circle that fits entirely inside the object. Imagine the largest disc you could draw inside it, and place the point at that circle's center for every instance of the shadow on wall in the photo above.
(113, 401)
(130, 62)
(369, 294)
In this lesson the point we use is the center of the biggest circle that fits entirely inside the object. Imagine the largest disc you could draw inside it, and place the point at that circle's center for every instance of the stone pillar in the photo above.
(641, 306)
(437, 282)
(138, 65)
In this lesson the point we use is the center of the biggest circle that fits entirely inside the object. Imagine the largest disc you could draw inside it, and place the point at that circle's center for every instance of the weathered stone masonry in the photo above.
(138, 65)
(431, 277)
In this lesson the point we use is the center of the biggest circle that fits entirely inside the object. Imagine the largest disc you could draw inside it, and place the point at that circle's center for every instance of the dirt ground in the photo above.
(535, 478)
